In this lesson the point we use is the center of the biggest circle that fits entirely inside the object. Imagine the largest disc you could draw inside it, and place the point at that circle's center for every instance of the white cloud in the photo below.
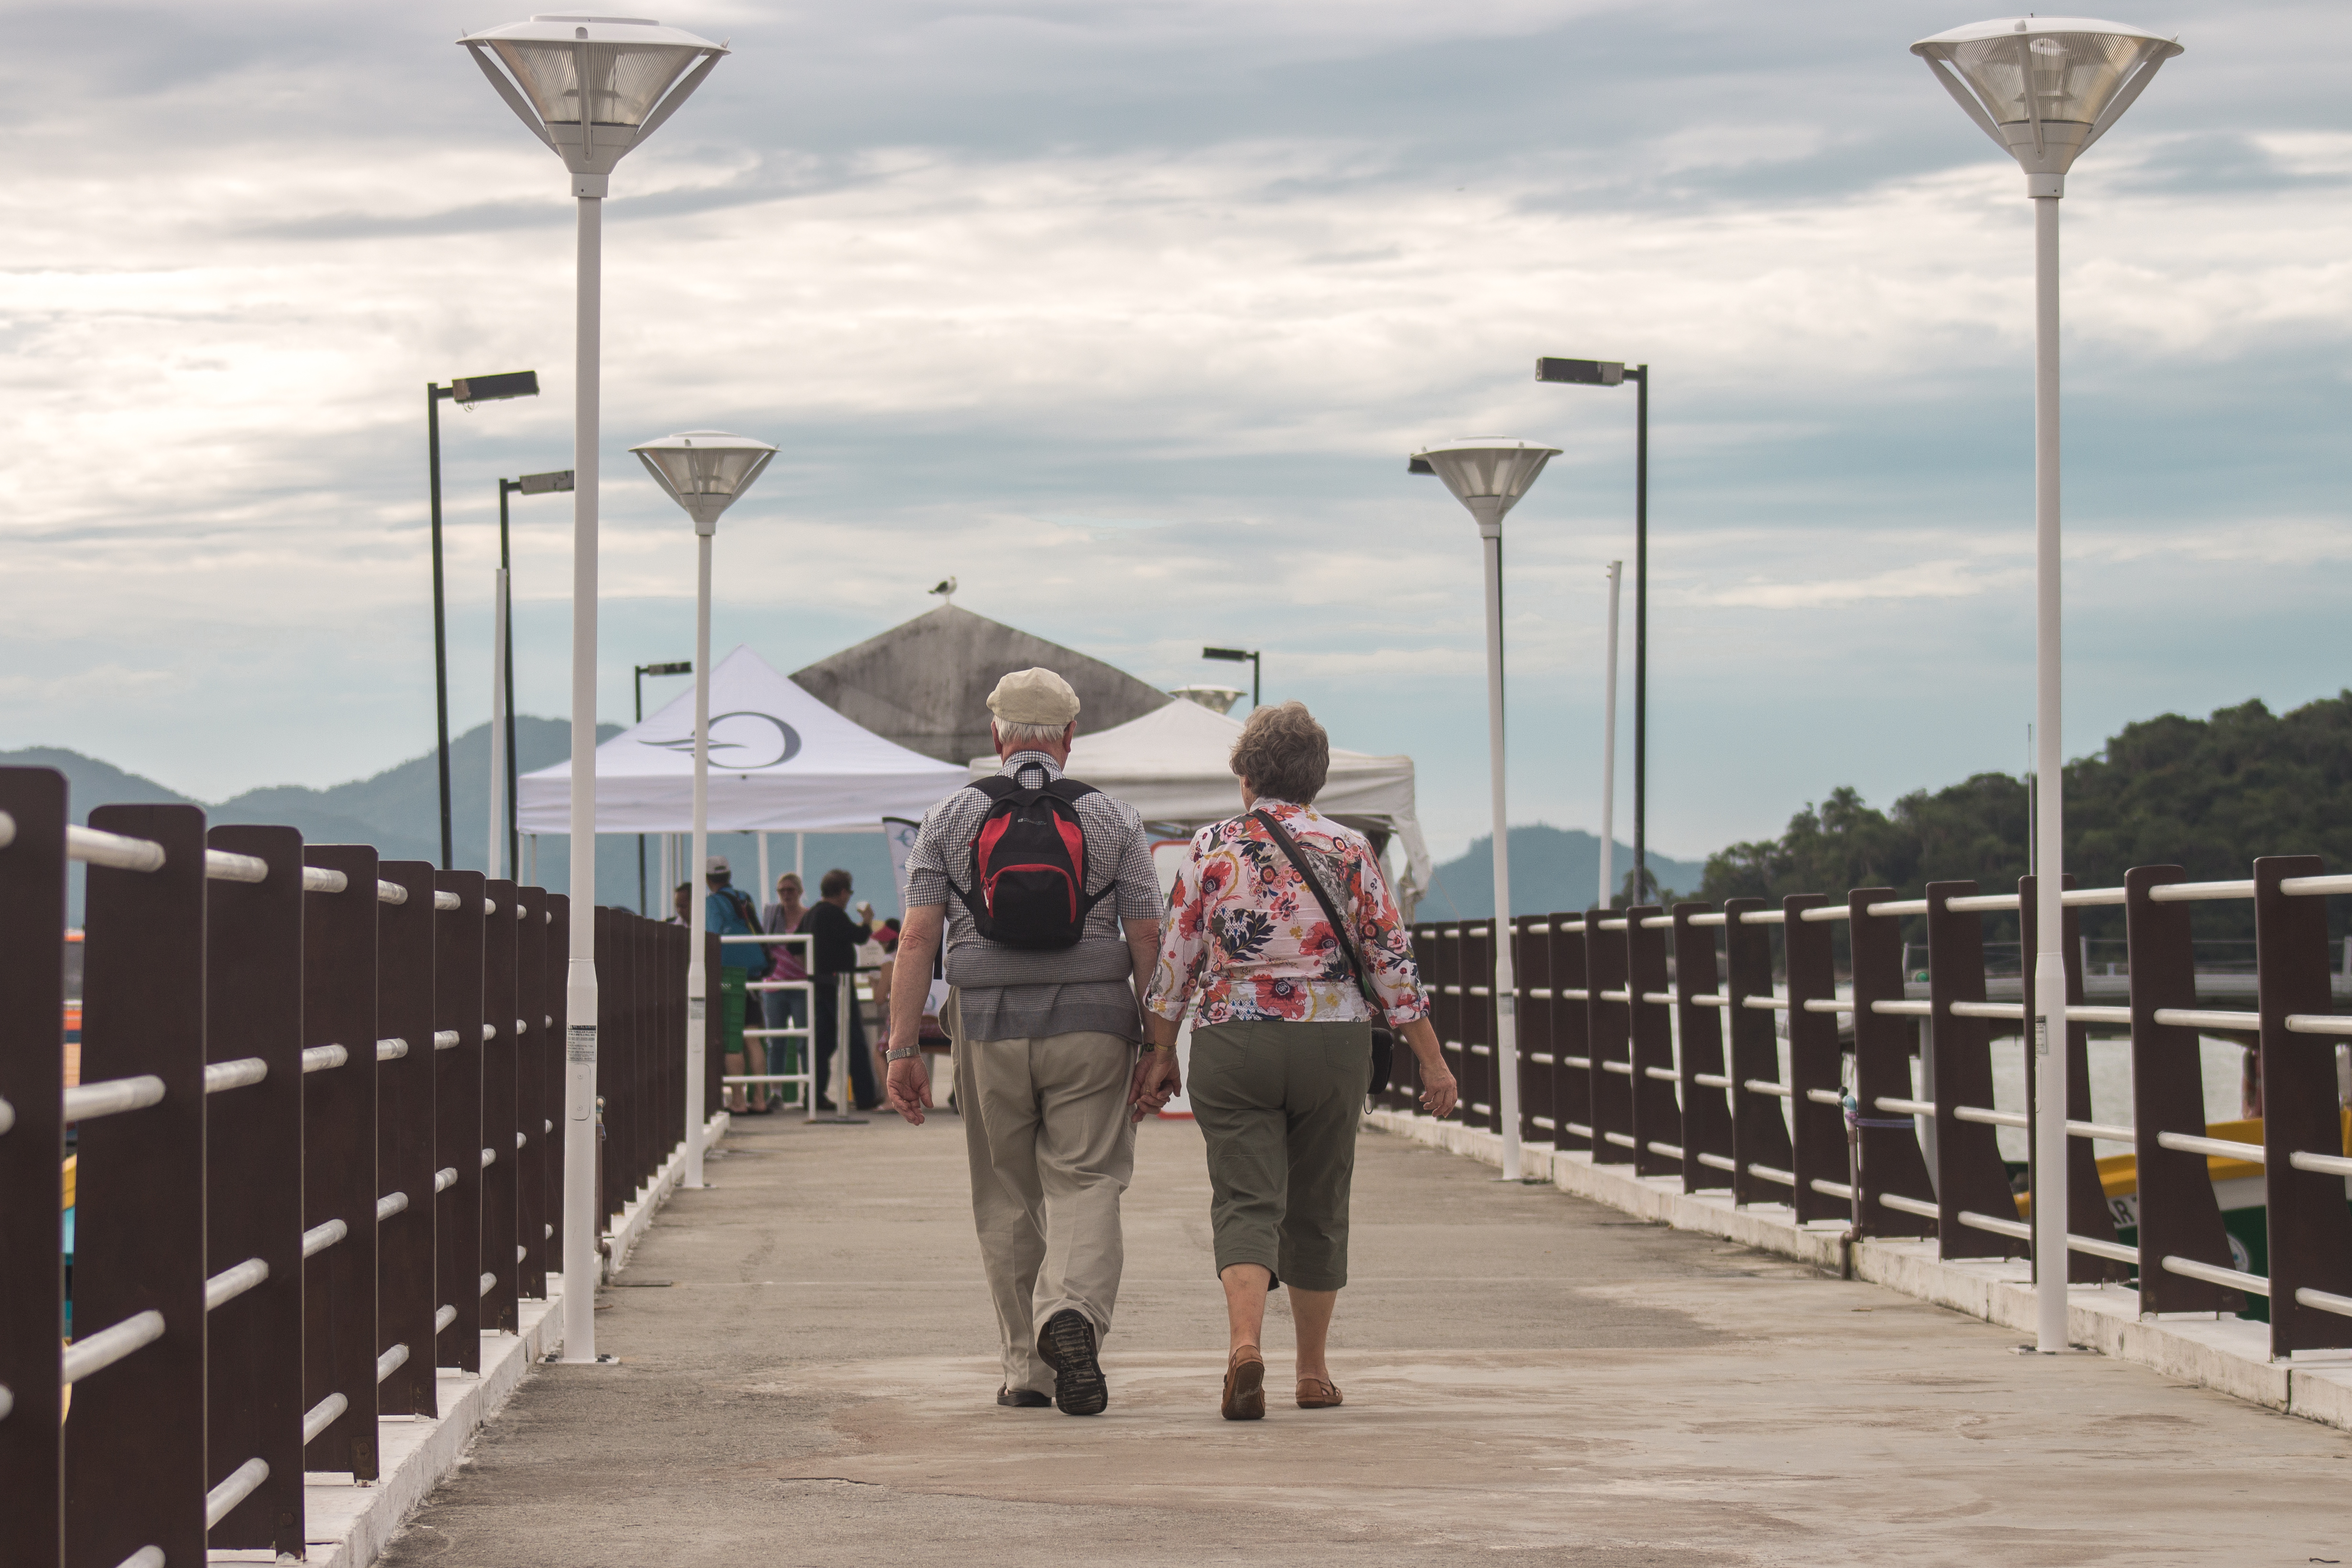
(1142, 370)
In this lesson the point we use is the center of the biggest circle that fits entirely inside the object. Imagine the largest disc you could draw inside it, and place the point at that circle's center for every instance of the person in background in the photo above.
(727, 911)
(682, 911)
(836, 939)
(784, 916)
(785, 1009)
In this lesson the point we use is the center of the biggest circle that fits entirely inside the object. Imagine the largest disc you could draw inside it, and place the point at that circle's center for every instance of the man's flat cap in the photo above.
(1033, 697)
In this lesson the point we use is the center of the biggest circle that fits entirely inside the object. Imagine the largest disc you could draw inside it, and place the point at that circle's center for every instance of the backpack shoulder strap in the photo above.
(1069, 789)
(996, 786)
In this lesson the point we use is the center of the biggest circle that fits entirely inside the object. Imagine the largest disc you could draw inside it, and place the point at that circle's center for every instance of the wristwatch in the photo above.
(902, 1053)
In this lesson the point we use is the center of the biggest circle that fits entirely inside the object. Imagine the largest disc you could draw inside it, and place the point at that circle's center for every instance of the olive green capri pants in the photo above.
(1277, 1104)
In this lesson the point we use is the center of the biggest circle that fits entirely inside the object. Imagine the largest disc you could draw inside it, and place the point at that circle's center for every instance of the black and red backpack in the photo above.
(1029, 866)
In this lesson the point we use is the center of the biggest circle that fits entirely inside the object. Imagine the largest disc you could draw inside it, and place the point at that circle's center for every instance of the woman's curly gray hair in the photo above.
(1282, 753)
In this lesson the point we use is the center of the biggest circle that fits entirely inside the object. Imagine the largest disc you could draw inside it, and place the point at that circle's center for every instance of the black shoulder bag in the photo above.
(1383, 1039)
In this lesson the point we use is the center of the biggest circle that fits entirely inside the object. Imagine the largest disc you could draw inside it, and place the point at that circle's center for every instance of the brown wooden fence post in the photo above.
(135, 1473)
(253, 1177)
(340, 1158)
(1891, 1164)
(1657, 1114)
(32, 1156)
(2310, 1226)
(2177, 1214)
(533, 1113)
(457, 936)
(407, 1147)
(1531, 968)
(1571, 1094)
(555, 966)
(1759, 1133)
(1608, 1031)
(1708, 1159)
(1815, 1065)
(1969, 1177)
(501, 1053)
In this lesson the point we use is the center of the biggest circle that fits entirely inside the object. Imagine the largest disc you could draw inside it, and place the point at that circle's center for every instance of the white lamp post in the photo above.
(704, 471)
(590, 88)
(1488, 474)
(2044, 89)
(1609, 758)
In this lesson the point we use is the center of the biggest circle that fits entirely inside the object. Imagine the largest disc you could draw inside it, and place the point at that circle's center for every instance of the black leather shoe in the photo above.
(1066, 1343)
(1022, 1398)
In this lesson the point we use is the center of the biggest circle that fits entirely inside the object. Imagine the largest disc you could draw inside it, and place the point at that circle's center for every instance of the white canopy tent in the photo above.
(781, 762)
(1174, 765)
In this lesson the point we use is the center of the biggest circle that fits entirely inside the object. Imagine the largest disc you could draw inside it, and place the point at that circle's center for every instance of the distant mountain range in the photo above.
(1552, 868)
(399, 812)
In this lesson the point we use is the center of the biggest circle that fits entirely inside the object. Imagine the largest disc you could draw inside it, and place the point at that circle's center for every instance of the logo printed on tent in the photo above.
(748, 738)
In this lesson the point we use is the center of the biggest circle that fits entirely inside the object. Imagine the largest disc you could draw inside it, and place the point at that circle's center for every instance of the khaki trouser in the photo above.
(1051, 1144)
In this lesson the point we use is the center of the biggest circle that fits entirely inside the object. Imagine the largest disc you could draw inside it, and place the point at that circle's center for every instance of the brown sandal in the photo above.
(1244, 1397)
(1315, 1394)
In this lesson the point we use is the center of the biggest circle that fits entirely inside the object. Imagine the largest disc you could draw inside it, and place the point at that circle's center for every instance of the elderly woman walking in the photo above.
(1281, 1045)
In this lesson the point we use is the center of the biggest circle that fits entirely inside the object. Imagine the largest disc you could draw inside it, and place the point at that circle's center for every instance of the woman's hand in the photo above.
(1438, 1091)
(1157, 1082)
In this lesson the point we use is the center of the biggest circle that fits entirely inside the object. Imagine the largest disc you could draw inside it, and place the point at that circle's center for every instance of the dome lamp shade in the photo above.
(705, 471)
(2045, 88)
(592, 88)
(1487, 474)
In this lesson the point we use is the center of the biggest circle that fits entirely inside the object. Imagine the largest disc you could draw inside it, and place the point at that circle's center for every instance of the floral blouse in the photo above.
(1247, 934)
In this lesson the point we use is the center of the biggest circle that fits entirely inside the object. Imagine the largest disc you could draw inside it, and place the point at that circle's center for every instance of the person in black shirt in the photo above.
(835, 939)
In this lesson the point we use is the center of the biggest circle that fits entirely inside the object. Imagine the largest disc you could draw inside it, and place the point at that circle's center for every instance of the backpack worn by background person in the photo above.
(1383, 1037)
(1029, 866)
(764, 954)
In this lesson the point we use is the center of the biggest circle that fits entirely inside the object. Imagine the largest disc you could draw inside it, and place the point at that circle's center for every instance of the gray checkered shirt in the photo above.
(1009, 993)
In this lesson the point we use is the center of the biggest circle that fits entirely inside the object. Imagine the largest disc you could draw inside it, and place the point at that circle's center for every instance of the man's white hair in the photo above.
(1025, 737)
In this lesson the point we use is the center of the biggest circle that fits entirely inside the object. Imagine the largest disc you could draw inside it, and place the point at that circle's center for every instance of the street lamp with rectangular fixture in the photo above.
(1239, 655)
(1616, 372)
(466, 391)
(474, 389)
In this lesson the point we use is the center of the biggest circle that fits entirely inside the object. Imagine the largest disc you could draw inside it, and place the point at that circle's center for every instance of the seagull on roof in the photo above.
(946, 590)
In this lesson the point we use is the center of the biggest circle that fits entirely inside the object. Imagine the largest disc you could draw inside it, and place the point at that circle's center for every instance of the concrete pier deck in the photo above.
(807, 1376)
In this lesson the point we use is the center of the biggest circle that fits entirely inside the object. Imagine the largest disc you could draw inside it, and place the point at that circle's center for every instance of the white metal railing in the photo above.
(230, 1283)
(111, 1097)
(96, 1352)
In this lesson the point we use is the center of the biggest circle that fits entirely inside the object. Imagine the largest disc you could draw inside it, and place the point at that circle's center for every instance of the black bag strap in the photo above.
(1330, 912)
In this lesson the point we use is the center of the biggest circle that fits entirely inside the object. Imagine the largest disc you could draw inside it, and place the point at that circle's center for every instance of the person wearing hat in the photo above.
(1048, 1079)
(728, 912)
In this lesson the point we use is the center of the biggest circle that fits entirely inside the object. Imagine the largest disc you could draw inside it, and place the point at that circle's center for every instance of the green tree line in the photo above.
(2207, 794)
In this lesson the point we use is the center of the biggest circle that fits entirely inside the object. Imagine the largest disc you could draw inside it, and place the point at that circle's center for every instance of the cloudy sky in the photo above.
(1126, 314)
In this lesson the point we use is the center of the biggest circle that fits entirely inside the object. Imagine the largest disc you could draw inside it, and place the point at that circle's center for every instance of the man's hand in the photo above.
(910, 1088)
(1158, 1080)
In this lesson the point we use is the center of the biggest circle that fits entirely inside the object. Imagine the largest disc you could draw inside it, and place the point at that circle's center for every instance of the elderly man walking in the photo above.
(1044, 888)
